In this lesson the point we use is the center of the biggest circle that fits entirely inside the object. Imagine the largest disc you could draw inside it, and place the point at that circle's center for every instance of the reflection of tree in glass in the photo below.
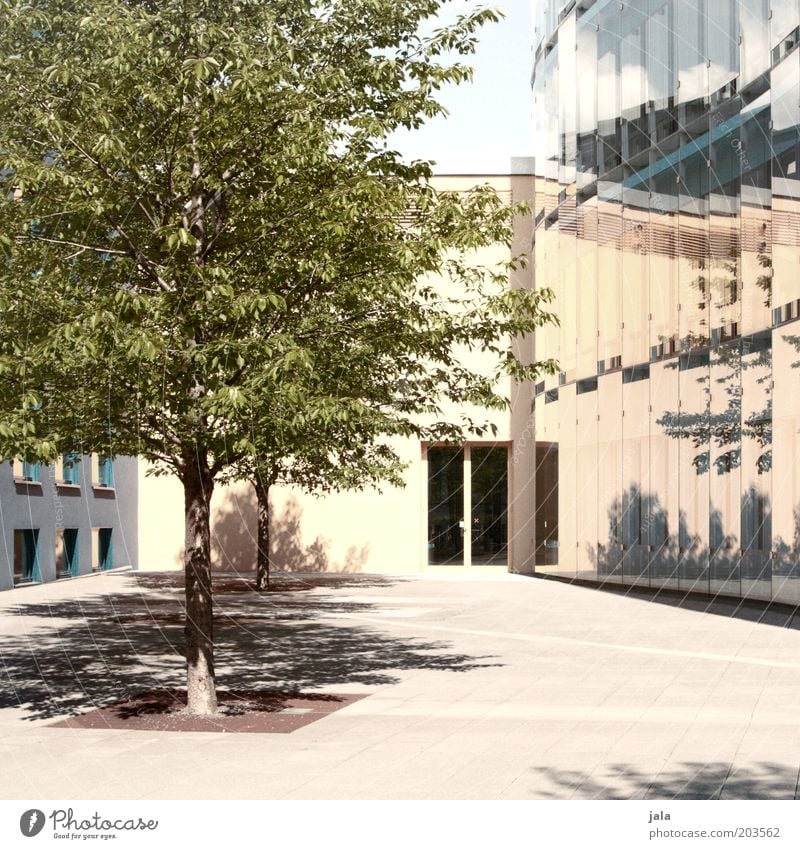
(725, 429)
(725, 283)
(695, 339)
(764, 281)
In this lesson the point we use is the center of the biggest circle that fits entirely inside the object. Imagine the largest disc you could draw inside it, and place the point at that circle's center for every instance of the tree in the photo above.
(321, 444)
(199, 207)
(342, 466)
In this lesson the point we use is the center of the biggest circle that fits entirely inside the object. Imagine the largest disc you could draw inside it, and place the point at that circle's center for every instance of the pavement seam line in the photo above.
(753, 661)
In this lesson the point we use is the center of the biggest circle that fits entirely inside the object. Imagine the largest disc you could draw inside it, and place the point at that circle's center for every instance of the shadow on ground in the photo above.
(779, 614)
(92, 649)
(689, 780)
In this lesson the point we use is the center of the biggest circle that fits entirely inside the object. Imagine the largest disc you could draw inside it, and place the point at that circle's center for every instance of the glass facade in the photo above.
(667, 225)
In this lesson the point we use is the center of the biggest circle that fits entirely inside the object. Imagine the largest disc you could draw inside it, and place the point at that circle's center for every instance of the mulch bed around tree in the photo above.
(243, 711)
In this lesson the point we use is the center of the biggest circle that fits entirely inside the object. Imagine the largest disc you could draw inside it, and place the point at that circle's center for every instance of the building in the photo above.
(454, 510)
(667, 222)
(469, 507)
(74, 518)
(665, 189)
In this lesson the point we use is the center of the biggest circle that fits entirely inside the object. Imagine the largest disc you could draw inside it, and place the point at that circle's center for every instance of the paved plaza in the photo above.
(477, 687)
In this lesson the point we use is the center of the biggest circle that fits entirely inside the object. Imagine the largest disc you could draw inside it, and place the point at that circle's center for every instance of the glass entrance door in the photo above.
(446, 505)
(489, 513)
(468, 505)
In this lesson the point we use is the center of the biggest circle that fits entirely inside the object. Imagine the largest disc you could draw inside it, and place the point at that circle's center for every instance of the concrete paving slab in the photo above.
(493, 686)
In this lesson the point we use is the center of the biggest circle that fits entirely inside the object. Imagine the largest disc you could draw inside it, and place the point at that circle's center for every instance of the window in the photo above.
(102, 553)
(69, 469)
(105, 471)
(66, 552)
(636, 373)
(26, 556)
(31, 472)
(546, 510)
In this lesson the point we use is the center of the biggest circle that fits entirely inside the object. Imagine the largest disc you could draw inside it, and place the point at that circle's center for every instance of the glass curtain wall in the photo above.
(667, 151)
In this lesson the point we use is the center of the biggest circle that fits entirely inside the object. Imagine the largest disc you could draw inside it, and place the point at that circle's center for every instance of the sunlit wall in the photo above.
(667, 223)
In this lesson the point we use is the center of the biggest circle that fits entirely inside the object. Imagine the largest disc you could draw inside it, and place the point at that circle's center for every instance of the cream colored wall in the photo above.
(350, 532)
(368, 531)
(509, 190)
(160, 521)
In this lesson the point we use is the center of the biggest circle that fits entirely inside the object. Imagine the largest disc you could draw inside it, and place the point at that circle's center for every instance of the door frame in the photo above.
(466, 447)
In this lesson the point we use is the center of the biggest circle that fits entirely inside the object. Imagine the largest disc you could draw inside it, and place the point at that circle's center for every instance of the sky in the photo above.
(490, 119)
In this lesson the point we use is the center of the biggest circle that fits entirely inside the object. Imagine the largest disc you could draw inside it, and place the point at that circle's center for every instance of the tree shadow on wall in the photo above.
(647, 553)
(234, 535)
(70, 656)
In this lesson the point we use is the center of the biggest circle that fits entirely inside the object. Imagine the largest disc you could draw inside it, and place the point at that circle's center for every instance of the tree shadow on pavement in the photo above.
(687, 780)
(779, 614)
(91, 649)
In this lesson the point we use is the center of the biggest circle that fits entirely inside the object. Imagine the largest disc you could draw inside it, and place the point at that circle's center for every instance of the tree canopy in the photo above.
(210, 249)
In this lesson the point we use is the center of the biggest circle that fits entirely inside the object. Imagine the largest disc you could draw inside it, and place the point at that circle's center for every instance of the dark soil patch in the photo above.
(243, 711)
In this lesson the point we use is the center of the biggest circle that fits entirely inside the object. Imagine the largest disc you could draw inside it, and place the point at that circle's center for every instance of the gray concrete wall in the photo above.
(50, 505)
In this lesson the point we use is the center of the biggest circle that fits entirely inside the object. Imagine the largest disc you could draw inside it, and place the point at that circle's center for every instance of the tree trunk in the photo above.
(199, 630)
(262, 573)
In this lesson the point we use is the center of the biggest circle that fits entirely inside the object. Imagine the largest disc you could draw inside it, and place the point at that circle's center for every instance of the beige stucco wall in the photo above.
(369, 531)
